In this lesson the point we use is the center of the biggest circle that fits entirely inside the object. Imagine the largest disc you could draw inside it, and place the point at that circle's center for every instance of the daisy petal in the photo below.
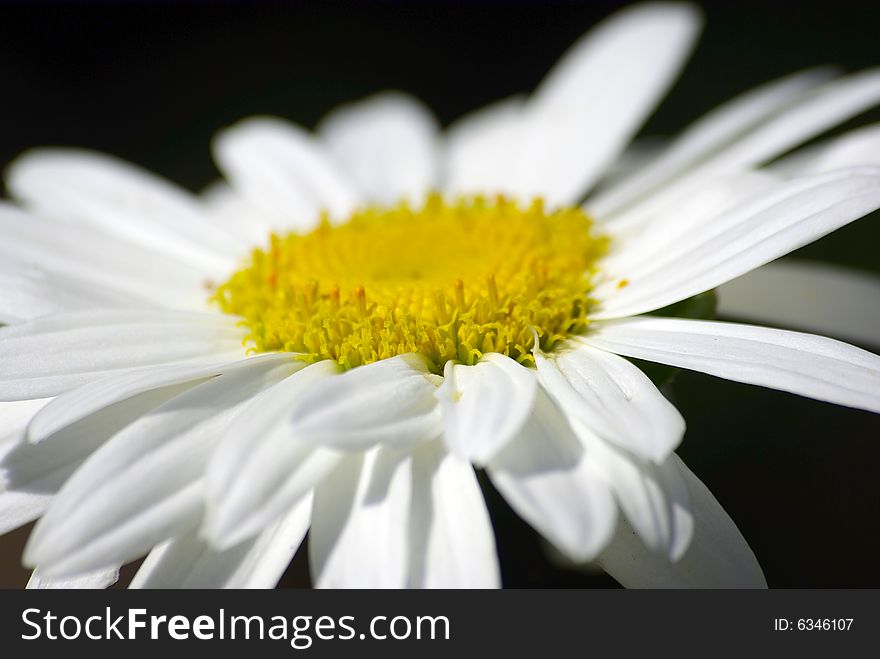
(29, 293)
(827, 106)
(678, 223)
(20, 508)
(637, 155)
(144, 485)
(704, 137)
(360, 523)
(48, 355)
(779, 221)
(819, 297)
(858, 147)
(613, 398)
(15, 416)
(280, 168)
(32, 474)
(452, 541)
(175, 514)
(390, 401)
(802, 364)
(17, 508)
(653, 498)
(95, 189)
(189, 562)
(77, 404)
(95, 580)
(552, 483)
(228, 209)
(37, 244)
(818, 111)
(480, 147)
(484, 405)
(387, 144)
(261, 468)
(598, 95)
(718, 555)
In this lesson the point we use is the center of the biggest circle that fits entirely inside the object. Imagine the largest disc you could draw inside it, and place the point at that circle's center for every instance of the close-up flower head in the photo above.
(371, 333)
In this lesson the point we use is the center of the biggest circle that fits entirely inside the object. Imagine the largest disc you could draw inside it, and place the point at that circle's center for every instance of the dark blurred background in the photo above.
(151, 83)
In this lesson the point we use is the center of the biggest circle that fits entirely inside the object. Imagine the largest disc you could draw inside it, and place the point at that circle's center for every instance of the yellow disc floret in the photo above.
(448, 280)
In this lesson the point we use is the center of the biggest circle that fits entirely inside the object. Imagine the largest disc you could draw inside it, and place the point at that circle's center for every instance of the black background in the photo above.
(151, 83)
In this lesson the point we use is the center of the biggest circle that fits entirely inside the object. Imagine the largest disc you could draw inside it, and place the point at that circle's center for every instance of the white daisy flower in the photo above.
(184, 387)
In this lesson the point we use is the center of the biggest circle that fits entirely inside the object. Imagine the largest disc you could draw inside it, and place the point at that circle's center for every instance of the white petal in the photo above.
(95, 189)
(391, 401)
(823, 108)
(282, 169)
(598, 95)
(653, 498)
(232, 212)
(452, 541)
(94, 580)
(20, 508)
(718, 555)
(680, 223)
(32, 474)
(637, 155)
(359, 534)
(29, 293)
(145, 485)
(552, 482)
(480, 147)
(31, 243)
(15, 416)
(387, 144)
(707, 135)
(858, 147)
(261, 469)
(779, 221)
(175, 514)
(485, 405)
(48, 355)
(613, 398)
(79, 403)
(17, 508)
(818, 297)
(802, 364)
(816, 112)
(189, 562)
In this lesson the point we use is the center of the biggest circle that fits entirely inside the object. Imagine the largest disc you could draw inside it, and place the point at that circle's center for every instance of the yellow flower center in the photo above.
(448, 280)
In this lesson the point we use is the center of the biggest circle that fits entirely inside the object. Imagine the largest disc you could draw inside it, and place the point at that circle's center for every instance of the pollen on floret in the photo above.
(450, 280)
